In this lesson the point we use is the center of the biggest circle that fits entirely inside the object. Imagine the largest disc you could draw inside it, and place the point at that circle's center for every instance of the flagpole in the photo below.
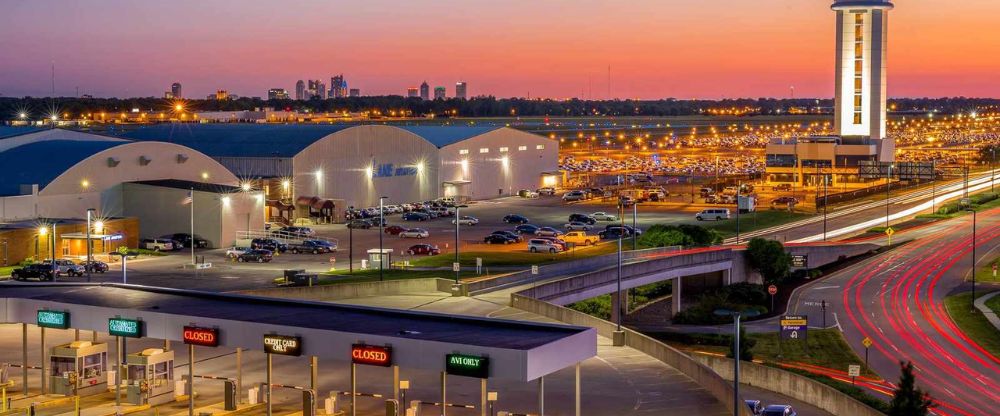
(191, 194)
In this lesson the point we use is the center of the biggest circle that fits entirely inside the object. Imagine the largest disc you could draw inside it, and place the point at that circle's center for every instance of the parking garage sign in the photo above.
(53, 319)
(283, 345)
(467, 365)
(794, 326)
(121, 327)
(371, 355)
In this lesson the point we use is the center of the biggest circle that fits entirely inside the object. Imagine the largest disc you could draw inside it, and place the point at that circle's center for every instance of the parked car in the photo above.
(779, 410)
(259, 256)
(429, 212)
(187, 241)
(498, 239)
(613, 234)
(577, 226)
(269, 244)
(782, 187)
(548, 232)
(156, 244)
(40, 271)
(311, 246)
(443, 211)
(558, 241)
(425, 249)
(628, 229)
(466, 220)
(706, 192)
(756, 407)
(394, 230)
(416, 216)
(712, 214)
(68, 268)
(299, 231)
(95, 266)
(579, 238)
(362, 224)
(574, 196)
(784, 200)
(235, 251)
(546, 190)
(539, 245)
(584, 218)
(415, 233)
(509, 234)
(526, 229)
(515, 219)
(527, 193)
(604, 216)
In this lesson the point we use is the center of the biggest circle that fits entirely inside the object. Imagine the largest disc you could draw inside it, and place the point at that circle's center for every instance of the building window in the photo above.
(463, 151)
(484, 150)
(540, 147)
(504, 150)
(522, 148)
(859, 49)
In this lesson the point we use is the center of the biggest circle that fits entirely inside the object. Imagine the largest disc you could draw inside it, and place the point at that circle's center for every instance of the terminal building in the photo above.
(860, 109)
(320, 170)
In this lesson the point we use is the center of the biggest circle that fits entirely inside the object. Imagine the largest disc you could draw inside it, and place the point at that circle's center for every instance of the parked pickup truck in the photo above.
(579, 238)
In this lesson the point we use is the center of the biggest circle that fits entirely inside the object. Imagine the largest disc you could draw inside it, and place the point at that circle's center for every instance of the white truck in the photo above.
(579, 238)
(746, 204)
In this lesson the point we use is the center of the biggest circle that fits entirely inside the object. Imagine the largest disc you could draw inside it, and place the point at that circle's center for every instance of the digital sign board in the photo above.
(371, 355)
(283, 345)
(53, 319)
(467, 365)
(206, 337)
(122, 327)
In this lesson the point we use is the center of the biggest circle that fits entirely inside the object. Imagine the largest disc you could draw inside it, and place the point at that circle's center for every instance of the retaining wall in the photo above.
(354, 290)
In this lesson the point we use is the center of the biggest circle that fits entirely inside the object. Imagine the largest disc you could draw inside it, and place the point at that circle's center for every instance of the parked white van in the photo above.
(712, 214)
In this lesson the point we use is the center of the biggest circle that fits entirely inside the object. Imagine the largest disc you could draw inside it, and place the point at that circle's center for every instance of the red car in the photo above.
(394, 229)
(427, 249)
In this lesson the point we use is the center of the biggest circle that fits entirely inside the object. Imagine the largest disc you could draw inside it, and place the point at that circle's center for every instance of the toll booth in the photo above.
(383, 257)
(150, 377)
(79, 367)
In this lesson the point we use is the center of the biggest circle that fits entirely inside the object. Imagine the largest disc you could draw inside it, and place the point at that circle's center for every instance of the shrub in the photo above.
(768, 257)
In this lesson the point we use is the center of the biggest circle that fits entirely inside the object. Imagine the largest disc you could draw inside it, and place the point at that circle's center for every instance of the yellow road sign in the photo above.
(867, 342)
(889, 231)
(793, 322)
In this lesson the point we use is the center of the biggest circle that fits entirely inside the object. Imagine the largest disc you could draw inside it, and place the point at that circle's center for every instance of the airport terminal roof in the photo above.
(276, 140)
(41, 162)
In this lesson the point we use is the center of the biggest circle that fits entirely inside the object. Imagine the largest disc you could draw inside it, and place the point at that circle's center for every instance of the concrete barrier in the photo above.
(355, 290)
(791, 385)
(698, 372)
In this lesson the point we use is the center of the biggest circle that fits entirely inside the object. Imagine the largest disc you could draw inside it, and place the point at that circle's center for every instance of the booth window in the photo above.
(92, 365)
(162, 373)
(62, 365)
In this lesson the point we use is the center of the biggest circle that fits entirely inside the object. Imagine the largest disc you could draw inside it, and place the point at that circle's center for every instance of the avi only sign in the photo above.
(467, 365)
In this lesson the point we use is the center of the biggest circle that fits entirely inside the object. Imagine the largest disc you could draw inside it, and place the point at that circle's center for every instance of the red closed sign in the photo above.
(206, 337)
(371, 355)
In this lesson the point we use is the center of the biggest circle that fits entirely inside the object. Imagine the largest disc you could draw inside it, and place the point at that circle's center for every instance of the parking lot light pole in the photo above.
(973, 254)
(458, 215)
(635, 213)
(381, 224)
(350, 245)
(90, 258)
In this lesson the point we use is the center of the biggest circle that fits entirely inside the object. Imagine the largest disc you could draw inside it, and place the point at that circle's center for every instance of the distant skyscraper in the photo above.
(175, 90)
(277, 94)
(440, 93)
(300, 90)
(461, 90)
(221, 95)
(338, 87)
(425, 91)
(168, 95)
(316, 89)
(412, 92)
(861, 76)
(355, 92)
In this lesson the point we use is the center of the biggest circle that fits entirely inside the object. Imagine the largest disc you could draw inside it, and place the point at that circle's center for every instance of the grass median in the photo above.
(972, 322)
(519, 257)
(364, 276)
(756, 221)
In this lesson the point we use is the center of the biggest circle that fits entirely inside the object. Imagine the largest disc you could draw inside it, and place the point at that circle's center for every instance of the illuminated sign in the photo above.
(206, 337)
(121, 327)
(467, 365)
(794, 326)
(389, 170)
(53, 319)
(283, 345)
(371, 355)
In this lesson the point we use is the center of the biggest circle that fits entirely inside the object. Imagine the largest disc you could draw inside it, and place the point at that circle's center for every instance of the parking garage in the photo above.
(367, 342)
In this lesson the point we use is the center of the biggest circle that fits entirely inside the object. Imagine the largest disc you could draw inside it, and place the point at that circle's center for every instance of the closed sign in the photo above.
(371, 355)
(206, 337)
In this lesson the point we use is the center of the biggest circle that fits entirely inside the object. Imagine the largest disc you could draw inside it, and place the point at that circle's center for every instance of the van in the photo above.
(712, 214)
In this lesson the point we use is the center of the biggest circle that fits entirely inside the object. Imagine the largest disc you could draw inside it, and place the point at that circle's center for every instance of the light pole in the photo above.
(458, 215)
(826, 202)
(973, 254)
(635, 213)
(993, 161)
(618, 303)
(737, 403)
(350, 245)
(888, 186)
(739, 186)
(90, 259)
(381, 224)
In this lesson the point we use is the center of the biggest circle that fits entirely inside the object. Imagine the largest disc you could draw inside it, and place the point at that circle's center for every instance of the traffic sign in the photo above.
(794, 326)
(456, 267)
(867, 342)
(889, 231)
(773, 290)
(800, 260)
(534, 269)
(854, 370)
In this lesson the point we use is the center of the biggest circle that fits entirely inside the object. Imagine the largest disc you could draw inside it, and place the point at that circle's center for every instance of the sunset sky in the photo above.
(545, 48)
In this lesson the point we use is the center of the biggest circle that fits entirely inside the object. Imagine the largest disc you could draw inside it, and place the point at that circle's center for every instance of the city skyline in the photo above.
(531, 55)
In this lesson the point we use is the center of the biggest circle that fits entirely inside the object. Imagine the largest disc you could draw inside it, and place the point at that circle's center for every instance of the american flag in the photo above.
(188, 199)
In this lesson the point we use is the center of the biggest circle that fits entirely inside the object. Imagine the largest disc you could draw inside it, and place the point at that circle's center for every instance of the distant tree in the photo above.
(769, 258)
(909, 400)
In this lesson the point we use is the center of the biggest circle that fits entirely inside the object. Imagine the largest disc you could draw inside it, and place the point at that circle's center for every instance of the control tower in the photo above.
(860, 113)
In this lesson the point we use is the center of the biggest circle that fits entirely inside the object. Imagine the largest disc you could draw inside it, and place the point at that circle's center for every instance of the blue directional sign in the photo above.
(794, 326)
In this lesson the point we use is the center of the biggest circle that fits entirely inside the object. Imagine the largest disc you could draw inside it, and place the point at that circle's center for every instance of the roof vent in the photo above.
(143, 160)
(181, 158)
(113, 161)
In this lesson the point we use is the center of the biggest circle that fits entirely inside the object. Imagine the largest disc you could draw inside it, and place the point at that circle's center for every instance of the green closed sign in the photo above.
(121, 327)
(467, 365)
(53, 319)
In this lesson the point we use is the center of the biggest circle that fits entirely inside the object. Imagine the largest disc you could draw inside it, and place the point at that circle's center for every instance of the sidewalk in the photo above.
(980, 304)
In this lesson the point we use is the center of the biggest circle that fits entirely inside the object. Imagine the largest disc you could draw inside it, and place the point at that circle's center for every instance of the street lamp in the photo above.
(888, 186)
(381, 224)
(90, 259)
(635, 212)
(737, 403)
(973, 253)
(618, 338)
(350, 244)
(458, 215)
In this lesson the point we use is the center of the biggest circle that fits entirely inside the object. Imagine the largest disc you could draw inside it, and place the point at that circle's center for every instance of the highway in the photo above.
(897, 300)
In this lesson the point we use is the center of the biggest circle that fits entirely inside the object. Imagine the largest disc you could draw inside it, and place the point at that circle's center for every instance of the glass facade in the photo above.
(859, 53)
(781, 161)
